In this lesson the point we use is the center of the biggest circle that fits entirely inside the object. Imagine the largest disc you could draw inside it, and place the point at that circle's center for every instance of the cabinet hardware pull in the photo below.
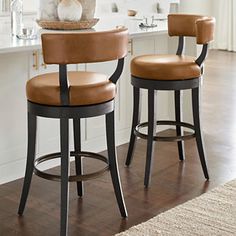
(43, 64)
(131, 48)
(35, 60)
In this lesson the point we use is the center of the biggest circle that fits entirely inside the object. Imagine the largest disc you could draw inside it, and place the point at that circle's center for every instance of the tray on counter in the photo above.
(67, 25)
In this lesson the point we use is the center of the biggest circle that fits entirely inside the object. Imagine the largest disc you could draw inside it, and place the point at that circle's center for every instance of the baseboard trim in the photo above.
(16, 169)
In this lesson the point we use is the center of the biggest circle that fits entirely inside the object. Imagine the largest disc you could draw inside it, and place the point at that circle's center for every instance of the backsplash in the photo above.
(142, 6)
(106, 6)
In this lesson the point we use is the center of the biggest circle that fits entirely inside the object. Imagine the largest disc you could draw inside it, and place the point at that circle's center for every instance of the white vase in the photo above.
(69, 10)
(48, 9)
(88, 9)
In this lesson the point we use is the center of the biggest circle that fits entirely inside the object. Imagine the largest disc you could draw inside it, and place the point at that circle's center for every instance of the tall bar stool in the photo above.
(75, 95)
(171, 72)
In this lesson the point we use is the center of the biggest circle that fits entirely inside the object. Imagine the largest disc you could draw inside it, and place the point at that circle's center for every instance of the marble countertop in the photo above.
(9, 44)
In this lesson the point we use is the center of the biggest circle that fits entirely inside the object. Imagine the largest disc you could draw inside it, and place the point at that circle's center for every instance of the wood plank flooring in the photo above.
(172, 183)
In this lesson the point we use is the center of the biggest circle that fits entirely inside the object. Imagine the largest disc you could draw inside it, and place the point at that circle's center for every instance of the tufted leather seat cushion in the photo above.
(165, 67)
(85, 88)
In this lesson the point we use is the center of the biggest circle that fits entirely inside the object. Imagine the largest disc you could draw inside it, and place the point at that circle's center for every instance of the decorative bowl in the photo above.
(132, 13)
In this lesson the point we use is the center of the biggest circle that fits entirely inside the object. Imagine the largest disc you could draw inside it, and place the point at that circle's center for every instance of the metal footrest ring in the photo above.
(163, 138)
(73, 178)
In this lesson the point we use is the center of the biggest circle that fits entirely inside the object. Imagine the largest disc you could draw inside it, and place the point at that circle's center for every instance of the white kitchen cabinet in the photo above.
(191, 49)
(37, 65)
(13, 128)
(48, 129)
(160, 44)
(4, 24)
(142, 46)
(48, 141)
(95, 127)
(151, 45)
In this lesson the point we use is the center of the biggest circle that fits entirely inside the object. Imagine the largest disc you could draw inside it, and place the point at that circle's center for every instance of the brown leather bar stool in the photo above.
(75, 95)
(171, 72)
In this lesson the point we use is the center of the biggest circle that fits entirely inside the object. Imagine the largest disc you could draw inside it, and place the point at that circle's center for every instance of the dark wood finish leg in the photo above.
(178, 117)
(199, 140)
(65, 164)
(110, 133)
(78, 159)
(135, 122)
(32, 131)
(151, 132)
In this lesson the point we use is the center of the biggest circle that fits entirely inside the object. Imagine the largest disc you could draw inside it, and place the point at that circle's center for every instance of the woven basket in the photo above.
(68, 25)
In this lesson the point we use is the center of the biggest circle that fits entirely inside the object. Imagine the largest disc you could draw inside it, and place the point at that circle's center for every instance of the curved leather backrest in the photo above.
(205, 30)
(201, 27)
(84, 47)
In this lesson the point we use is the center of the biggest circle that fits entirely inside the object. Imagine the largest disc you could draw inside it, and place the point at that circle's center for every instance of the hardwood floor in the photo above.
(172, 183)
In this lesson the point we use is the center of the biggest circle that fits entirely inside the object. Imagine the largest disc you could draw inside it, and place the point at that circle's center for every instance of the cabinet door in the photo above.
(37, 66)
(49, 129)
(164, 98)
(95, 127)
(140, 46)
(162, 44)
(5, 25)
(143, 46)
(13, 125)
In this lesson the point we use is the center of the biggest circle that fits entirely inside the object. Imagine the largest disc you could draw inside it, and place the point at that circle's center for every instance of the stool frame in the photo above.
(64, 113)
(177, 86)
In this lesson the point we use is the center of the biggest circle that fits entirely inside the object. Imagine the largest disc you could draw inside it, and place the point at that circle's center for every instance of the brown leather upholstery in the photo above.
(201, 27)
(174, 67)
(205, 30)
(86, 88)
(165, 67)
(85, 47)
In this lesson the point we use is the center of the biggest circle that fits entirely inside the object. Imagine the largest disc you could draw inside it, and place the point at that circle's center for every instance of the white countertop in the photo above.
(9, 44)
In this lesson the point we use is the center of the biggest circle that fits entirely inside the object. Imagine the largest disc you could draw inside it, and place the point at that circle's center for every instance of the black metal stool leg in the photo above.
(196, 118)
(32, 129)
(151, 132)
(110, 133)
(65, 166)
(136, 121)
(78, 159)
(178, 117)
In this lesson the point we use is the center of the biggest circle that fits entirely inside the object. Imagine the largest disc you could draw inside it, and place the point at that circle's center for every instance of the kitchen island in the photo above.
(20, 60)
(10, 44)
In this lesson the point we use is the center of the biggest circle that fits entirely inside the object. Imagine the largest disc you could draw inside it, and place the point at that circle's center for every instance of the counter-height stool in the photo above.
(75, 95)
(171, 72)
